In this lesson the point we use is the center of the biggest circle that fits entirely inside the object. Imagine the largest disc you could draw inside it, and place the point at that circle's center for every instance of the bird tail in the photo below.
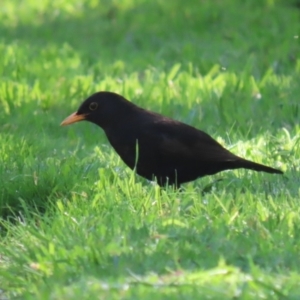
(247, 164)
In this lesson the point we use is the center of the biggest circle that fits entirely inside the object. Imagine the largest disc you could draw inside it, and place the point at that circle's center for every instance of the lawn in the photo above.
(76, 222)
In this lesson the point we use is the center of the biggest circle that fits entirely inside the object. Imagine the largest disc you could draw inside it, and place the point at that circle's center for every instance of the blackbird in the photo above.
(157, 146)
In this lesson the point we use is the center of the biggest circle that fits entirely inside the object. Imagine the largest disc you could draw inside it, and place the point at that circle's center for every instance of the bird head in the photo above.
(101, 108)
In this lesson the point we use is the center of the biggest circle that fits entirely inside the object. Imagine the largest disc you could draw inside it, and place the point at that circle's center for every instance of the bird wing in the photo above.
(172, 140)
(174, 150)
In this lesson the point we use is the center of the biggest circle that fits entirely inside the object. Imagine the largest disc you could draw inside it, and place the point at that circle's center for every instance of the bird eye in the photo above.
(93, 106)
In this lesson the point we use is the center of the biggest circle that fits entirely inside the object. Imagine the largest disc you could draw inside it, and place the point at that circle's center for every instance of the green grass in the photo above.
(76, 223)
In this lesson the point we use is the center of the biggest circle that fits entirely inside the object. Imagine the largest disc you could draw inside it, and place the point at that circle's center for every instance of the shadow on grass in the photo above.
(151, 32)
(185, 250)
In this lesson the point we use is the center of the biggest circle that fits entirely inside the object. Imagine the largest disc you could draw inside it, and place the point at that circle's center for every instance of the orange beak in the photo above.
(73, 118)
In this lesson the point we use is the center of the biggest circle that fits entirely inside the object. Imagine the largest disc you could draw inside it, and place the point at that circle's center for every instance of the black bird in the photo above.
(157, 146)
